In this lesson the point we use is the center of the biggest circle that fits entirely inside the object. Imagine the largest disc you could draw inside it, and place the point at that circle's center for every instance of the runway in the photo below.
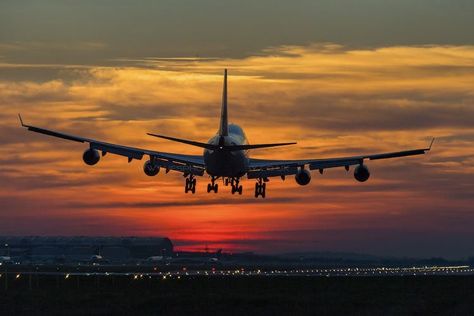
(17, 272)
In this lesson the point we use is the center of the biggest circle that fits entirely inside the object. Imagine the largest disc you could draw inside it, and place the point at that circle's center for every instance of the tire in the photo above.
(193, 190)
(240, 190)
(208, 188)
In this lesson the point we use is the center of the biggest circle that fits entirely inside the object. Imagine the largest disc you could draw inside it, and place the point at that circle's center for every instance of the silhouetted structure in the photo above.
(81, 248)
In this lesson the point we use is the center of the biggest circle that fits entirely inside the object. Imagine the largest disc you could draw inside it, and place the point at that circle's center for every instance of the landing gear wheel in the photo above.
(212, 186)
(260, 188)
(236, 188)
(190, 185)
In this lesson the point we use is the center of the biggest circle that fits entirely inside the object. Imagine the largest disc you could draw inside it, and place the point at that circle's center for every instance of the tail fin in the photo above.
(223, 125)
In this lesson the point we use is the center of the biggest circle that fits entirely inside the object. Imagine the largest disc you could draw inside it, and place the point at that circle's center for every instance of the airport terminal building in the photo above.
(40, 249)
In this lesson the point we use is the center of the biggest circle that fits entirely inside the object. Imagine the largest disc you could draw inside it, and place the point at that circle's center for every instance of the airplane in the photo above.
(226, 157)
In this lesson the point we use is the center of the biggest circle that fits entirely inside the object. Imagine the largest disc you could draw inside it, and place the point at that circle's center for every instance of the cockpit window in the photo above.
(235, 129)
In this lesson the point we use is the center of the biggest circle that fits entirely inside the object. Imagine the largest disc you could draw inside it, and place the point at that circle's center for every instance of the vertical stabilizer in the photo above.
(223, 125)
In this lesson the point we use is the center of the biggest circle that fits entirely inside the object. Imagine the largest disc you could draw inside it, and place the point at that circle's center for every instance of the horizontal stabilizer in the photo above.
(257, 146)
(185, 141)
(219, 147)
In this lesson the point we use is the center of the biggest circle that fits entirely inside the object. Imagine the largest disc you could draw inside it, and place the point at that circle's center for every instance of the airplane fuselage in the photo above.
(225, 163)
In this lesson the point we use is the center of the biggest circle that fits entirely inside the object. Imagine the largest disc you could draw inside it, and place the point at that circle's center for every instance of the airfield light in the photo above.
(18, 276)
(67, 276)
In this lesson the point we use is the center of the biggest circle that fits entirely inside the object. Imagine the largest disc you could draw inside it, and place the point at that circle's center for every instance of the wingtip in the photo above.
(431, 144)
(21, 120)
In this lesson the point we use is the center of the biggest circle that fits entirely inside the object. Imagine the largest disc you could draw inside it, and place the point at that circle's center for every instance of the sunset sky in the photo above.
(339, 77)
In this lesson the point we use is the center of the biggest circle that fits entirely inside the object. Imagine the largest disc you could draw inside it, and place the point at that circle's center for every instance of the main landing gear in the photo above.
(260, 187)
(212, 186)
(236, 188)
(234, 182)
(190, 184)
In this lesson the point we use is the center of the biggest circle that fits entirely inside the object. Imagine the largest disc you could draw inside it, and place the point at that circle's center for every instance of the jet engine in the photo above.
(361, 173)
(91, 156)
(151, 169)
(303, 177)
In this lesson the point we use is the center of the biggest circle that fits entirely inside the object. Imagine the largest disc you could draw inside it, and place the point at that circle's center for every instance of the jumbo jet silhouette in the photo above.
(226, 156)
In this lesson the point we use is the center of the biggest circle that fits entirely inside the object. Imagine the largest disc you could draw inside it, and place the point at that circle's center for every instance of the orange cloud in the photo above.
(334, 101)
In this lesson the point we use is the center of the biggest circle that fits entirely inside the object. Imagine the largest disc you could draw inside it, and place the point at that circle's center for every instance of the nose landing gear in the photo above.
(212, 186)
(190, 184)
(260, 187)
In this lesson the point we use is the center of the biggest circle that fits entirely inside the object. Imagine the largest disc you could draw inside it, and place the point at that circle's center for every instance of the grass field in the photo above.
(120, 295)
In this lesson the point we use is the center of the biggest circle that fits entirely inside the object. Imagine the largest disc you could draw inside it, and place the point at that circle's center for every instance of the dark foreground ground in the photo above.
(249, 295)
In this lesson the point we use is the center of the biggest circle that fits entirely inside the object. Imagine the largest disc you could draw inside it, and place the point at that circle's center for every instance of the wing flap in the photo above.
(118, 150)
(276, 172)
(180, 167)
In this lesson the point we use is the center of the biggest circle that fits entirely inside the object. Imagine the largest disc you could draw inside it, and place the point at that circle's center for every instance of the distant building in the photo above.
(83, 249)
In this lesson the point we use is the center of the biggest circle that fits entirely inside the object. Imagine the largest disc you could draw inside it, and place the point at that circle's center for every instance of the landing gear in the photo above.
(190, 184)
(236, 188)
(260, 187)
(212, 186)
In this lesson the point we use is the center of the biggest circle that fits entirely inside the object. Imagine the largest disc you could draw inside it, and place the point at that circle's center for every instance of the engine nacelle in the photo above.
(91, 156)
(361, 173)
(151, 169)
(303, 177)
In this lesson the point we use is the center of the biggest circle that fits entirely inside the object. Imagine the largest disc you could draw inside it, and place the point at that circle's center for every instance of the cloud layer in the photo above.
(332, 99)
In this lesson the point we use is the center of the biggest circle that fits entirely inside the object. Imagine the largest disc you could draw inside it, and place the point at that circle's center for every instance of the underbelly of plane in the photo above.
(226, 163)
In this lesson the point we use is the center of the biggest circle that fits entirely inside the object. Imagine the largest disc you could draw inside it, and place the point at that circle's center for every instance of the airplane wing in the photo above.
(187, 164)
(263, 168)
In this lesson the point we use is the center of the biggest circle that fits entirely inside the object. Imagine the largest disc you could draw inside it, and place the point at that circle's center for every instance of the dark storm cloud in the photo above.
(111, 29)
